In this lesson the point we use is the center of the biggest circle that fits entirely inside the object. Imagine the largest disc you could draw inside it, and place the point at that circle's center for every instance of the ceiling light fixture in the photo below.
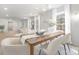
(30, 14)
(5, 8)
(37, 8)
(24, 18)
(44, 9)
(7, 15)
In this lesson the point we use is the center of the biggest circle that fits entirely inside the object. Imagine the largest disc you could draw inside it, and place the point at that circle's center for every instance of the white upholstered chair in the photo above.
(69, 47)
(53, 46)
(67, 39)
(12, 46)
(66, 42)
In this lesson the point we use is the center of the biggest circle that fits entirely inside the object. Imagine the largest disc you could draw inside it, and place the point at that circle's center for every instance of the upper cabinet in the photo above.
(60, 18)
(63, 18)
(61, 22)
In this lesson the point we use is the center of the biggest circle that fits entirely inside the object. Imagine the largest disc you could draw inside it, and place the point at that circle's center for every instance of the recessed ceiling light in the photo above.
(44, 9)
(7, 15)
(30, 14)
(24, 18)
(5, 8)
(37, 8)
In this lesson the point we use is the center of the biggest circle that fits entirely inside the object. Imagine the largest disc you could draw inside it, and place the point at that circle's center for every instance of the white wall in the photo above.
(5, 23)
(15, 22)
(75, 24)
(44, 19)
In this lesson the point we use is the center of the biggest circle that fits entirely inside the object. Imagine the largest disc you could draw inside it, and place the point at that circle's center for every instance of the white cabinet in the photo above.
(63, 18)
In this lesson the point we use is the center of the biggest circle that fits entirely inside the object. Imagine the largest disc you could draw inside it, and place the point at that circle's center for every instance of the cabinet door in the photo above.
(61, 22)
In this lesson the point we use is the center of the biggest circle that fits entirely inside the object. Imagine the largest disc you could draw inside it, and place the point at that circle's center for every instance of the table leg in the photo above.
(31, 50)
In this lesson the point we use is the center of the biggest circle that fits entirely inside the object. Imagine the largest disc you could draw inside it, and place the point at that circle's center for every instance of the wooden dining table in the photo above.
(43, 38)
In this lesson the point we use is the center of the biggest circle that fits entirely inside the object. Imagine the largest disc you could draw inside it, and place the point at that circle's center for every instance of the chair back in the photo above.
(13, 47)
(67, 38)
(10, 41)
(54, 45)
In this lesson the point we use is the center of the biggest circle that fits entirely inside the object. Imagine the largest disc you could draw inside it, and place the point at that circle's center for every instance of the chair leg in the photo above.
(65, 49)
(58, 52)
(40, 52)
(68, 47)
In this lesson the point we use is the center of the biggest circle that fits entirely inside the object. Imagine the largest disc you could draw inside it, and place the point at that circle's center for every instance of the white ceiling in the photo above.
(74, 8)
(20, 10)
